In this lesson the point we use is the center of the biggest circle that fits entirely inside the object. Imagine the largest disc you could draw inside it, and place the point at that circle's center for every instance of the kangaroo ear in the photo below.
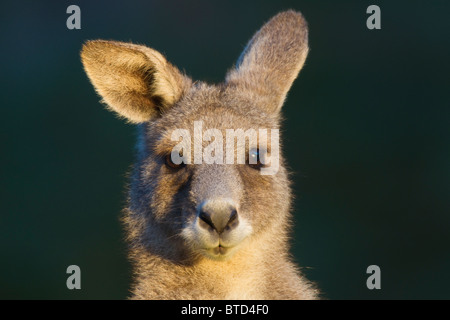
(273, 58)
(135, 81)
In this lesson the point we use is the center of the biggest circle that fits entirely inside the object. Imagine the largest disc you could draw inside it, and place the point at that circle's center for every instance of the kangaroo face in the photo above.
(210, 203)
(213, 207)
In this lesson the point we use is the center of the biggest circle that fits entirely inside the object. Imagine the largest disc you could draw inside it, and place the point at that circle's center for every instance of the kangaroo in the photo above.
(206, 230)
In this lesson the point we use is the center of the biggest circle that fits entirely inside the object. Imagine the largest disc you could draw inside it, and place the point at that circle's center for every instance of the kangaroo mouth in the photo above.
(219, 253)
(220, 249)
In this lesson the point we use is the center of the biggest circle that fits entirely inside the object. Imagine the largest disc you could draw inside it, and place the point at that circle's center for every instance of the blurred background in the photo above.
(367, 135)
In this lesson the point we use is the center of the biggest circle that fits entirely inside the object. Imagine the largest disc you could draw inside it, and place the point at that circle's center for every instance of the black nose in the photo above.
(218, 214)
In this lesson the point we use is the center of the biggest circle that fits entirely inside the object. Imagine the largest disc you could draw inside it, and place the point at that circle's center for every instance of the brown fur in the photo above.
(162, 219)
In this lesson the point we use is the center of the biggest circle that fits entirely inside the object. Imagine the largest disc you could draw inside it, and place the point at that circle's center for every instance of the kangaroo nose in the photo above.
(219, 214)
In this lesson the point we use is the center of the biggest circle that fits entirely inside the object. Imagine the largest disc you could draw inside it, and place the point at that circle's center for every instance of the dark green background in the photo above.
(366, 134)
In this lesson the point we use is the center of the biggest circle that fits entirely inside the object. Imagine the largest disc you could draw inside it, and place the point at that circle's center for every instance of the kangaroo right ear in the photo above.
(272, 59)
(135, 81)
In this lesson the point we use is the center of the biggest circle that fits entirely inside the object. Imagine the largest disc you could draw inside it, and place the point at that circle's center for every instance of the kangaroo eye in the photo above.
(254, 159)
(170, 163)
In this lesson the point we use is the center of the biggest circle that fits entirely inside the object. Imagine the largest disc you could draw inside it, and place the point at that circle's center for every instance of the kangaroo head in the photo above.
(190, 194)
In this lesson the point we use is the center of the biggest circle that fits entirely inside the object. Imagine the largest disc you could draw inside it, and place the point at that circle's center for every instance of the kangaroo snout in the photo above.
(218, 229)
(218, 215)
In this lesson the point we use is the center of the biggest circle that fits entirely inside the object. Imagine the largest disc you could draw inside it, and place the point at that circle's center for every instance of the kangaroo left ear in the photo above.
(135, 81)
(273, 58)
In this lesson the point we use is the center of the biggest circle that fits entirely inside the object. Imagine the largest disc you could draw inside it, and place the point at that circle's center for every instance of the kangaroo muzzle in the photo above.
(218, 215)
(218, 227)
